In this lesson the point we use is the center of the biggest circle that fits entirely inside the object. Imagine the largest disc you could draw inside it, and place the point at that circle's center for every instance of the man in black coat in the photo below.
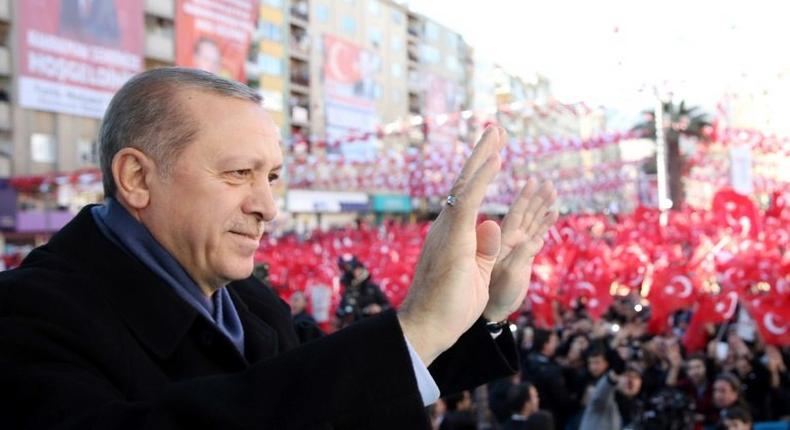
(543, 371)
(141, 313)
(361, 296)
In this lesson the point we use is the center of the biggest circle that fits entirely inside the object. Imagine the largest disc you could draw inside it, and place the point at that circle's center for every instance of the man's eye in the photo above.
(273, 178)
(241, 173)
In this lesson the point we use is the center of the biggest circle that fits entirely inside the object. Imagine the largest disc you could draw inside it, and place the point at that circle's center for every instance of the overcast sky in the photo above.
(612, 53)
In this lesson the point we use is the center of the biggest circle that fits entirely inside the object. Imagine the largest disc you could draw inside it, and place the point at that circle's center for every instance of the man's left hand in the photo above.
(529, 218)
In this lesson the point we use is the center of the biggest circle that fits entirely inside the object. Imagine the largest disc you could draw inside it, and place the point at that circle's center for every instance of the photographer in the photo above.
(361, 296)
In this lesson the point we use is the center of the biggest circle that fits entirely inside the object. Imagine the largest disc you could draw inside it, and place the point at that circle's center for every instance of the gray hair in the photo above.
(147, 114)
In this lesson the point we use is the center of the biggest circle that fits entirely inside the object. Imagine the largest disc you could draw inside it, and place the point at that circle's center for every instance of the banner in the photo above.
(214, 35)
(350, 91)
(74, 54)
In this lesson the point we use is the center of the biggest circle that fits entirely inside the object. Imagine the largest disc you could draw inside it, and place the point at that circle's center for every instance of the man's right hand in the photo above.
(450, 287)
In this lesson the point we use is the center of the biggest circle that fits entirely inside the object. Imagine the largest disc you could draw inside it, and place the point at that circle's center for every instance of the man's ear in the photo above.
(132, 170)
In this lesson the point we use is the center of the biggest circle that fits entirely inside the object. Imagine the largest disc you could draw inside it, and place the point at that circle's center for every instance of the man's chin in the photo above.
(238, 272)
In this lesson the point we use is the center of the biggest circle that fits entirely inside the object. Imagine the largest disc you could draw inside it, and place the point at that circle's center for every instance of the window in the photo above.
(452, 63)
(271, 31)
(396, 70)
(322, 13)
(278, 4)
(42, 148)
(87, 152)
(272, 100)
(374, 35)
(396, 44)
(430, 54)
(349, 25)
(374, 7)
(453, 41)
(396, 17)
(432, 32)
(270, 65)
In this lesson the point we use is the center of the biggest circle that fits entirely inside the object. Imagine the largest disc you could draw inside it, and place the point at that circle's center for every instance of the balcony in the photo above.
(300, 44)
(5, 10)
(300, 13)
(415, 104)
(414, 27)
(160, 8)
(300, 115)
(300, 88)
(5, 116)
(159, 46)
(412, 53)
(5, 61)
(299, 76)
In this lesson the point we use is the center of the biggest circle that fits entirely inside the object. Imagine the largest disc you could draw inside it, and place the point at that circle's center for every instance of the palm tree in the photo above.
(678, 120)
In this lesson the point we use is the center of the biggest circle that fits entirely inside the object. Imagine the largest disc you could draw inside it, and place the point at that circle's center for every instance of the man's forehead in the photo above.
(208, 102)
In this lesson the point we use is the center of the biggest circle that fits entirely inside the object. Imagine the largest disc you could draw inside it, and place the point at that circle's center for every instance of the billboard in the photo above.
(350, 91)
(74, 54)
(214, 35)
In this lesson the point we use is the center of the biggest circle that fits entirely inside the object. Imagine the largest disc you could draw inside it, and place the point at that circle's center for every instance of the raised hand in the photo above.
(450, 286)
(529, 218)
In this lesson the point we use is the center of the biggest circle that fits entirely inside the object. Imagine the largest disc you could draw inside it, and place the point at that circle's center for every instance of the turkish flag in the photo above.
(672, 289)
(629, 264)
(710, 310)
(772, 315)
(736, 211)
(594, 294)
(542, 304)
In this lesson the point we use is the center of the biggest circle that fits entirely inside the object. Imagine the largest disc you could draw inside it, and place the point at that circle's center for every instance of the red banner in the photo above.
(214, 35)
(75, 54)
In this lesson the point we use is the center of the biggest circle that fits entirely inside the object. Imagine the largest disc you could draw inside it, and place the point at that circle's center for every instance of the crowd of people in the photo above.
(612, 374)
(615, 355)
(609, 373)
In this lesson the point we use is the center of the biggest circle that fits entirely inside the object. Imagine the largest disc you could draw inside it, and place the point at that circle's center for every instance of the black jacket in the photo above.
(548, 378)
(90, 338)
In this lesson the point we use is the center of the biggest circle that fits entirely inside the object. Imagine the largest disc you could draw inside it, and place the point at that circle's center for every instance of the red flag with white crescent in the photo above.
(772, 315)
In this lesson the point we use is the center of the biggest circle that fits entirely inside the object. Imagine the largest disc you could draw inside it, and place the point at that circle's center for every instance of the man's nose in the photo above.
(260, 201)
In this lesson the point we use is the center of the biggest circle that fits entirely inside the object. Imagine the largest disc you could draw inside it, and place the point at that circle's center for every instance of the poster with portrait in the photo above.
(214, 35)
(350, 92)
(74, 54)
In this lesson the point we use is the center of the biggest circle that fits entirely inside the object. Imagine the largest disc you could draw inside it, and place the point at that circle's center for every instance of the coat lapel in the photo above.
(157, 316)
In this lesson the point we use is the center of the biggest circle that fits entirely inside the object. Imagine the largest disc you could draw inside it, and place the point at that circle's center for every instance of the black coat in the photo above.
(90, 338)
(548, 378)
(540, 420)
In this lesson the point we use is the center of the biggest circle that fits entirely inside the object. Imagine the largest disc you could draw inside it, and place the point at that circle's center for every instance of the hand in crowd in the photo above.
(372, 309)
(674, 357)
(774, 361)
(600, 330)
(738, 346)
